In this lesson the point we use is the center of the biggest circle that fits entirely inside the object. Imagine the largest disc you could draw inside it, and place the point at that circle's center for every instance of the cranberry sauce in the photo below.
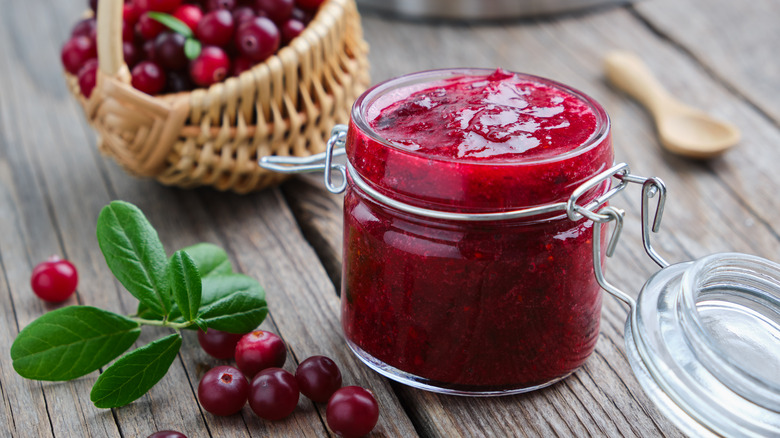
(471, 306)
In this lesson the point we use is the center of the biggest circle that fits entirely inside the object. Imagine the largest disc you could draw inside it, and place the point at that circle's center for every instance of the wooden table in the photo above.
(716, 54)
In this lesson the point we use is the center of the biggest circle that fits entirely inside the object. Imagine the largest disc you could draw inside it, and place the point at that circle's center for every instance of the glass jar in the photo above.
(459, 305)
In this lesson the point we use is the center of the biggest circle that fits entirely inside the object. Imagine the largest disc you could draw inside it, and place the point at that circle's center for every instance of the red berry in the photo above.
(88, 77)
(85, 27)
(241, 64)
(301, 15)
(318, 378)
(310, 4)
(257, 39)
(176, 82)
(213, 5)
(148, 77)
(54, 280)
(211, 66)
(169, 50)
(223, 391)
(352, 412)
(148, 50)
(76, 52)
(276, 10)
(274, 394)
(216, 28)
(190, 15)
(259, 350)
(218, 344)
(130, 53)
(158, 5)
(242, 14)
(130, 13)
(148, 27)
(167, 434)
(291, 29)
(128, 30)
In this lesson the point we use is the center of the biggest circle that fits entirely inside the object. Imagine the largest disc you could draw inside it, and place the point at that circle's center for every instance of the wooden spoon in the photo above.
(682, 130)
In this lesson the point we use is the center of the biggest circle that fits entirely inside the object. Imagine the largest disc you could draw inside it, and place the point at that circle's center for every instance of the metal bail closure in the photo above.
(322, 162)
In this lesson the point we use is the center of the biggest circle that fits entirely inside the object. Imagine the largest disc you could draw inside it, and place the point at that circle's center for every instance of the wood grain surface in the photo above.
(713, 54)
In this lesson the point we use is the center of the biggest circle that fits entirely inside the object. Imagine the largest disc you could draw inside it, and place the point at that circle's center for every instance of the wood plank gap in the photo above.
(724, 82)
(195, 393)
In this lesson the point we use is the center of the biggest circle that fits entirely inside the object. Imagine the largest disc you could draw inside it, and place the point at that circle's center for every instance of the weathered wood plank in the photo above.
(740, 46)
(603, 398)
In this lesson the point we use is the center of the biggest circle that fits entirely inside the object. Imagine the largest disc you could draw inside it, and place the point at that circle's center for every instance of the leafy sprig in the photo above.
(194, 288)
(192, 46)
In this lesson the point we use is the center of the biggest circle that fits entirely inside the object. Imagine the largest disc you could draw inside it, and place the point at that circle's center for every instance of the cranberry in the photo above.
(88, 77)
(213, 5)
(310, 4)
(130, 53)
(176, 82)
(242, 14)
(189, 15)
(259, 350)
(291, 29)
(130, 13)
(318, 377)
(223, 390)
(128, 30)
(301, 15)
(148, 50)
(211, 66)
(241, 64)
(148, 27)
(257, 39)
(219, 344)
(85, 27)
(76, 52)
(352, 412)
(216, 28)
(169, 50)
(167, 434)
(157, 5)
(274, 394)
(54, 280)
(276, 10)
(148, 77)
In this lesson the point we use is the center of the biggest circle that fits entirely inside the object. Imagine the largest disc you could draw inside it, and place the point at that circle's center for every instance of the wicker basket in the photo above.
(283, 106)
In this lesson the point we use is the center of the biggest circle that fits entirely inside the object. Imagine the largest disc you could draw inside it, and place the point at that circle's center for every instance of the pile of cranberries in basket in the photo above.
(175, 45)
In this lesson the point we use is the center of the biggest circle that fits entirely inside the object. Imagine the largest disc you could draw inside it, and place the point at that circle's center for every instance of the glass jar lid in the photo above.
(703, 339)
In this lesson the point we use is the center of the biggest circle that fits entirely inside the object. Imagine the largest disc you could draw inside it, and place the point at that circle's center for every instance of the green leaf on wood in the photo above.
(172, 23)
(185, 284)
(192, 48)
(210, 259)
(135, 373)
(135, 254)
(70, 342)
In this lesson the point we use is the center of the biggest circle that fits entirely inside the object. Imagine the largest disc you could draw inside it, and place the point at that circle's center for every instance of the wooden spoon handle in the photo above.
(627, 72)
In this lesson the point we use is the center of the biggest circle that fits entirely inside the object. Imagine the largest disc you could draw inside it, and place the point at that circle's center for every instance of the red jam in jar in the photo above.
(471, 306)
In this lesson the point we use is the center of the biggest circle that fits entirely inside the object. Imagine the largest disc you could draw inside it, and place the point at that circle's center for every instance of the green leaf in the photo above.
(201, 324)
(185, 284)
(135, 254)
(70, 342)
(172, 23)
(210, 259)
(192, 48)
(135, 373)
(233, 303)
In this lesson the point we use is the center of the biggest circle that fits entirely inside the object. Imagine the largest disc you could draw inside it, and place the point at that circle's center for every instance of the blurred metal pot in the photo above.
(479, 9)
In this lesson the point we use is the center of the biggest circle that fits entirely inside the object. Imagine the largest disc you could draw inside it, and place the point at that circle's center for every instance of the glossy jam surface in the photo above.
(500, 117)
(470, 306)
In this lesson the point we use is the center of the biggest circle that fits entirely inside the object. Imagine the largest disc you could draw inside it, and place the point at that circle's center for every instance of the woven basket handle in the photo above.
(137, 129)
